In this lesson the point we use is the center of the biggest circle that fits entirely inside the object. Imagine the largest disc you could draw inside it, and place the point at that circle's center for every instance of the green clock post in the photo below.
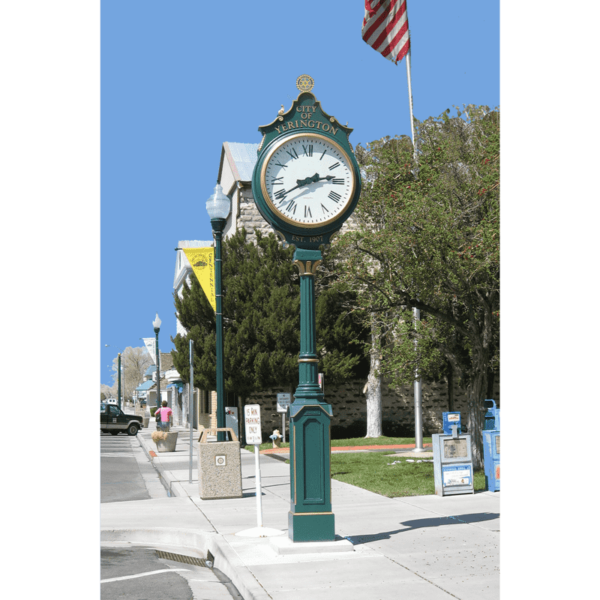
(306, 183)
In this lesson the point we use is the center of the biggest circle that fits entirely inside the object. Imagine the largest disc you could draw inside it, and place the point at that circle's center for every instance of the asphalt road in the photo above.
(135, 572)
(120, 476)
(132, 572)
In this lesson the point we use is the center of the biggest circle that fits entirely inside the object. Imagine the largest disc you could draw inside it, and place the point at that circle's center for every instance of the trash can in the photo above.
(219, 466)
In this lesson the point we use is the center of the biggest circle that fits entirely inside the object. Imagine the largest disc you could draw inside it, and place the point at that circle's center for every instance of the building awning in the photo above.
(145, 386)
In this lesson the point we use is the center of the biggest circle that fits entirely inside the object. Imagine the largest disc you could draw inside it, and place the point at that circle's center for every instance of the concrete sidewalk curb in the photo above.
(170, 482)
(167, 478)
(226, 559)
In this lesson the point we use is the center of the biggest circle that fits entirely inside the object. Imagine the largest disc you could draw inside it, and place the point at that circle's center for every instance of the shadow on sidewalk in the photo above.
(420, 523)
(457, 519)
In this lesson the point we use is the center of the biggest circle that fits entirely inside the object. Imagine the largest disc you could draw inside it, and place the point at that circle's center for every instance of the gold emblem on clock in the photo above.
(305, 83)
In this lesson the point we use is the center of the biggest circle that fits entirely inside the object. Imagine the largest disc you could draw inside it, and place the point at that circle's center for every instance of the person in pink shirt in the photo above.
(166, 416)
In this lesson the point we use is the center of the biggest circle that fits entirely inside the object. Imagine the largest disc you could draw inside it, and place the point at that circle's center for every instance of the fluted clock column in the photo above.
(310, 518)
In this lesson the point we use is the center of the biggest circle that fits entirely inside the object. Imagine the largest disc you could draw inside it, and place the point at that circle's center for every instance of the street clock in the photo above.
(306, 181)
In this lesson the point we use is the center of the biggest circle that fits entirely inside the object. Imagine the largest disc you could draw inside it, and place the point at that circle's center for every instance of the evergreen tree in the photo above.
(261, 323)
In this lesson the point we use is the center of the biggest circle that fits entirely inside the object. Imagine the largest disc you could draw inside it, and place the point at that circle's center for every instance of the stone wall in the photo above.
(350, 408)
(249, 217)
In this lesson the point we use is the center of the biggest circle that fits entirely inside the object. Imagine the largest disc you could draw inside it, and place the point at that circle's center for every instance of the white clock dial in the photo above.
(308, 180)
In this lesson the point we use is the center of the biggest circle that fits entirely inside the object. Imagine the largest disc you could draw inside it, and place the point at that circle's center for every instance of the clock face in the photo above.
(308, 180)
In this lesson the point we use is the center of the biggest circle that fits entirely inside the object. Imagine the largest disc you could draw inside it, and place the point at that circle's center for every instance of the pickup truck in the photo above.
(113, 420)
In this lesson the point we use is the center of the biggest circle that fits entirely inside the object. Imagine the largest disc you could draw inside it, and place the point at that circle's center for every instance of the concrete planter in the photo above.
(168, 444)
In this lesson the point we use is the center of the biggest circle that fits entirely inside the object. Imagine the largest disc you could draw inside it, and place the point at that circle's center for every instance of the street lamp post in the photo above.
(119, 387)
(119, 390)
(156, 324)
(218, 207)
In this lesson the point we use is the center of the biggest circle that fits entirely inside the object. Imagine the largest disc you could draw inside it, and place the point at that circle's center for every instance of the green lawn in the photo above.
(373, 472)
(379, 441)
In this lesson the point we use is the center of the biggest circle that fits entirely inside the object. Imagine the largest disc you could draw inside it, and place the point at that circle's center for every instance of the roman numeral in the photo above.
(335, 166)
(322, 155)
(324, 209)
(310, 149)
(307, 212)
(279, 194)
(291, 205)
(295, 155)
(337, 181)
(335, 197)
(283, 166)
(276, 181)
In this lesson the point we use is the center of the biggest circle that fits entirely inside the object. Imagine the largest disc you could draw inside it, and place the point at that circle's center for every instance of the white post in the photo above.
(410, 100)
(258, 486)
(416, 312)
(418, 401)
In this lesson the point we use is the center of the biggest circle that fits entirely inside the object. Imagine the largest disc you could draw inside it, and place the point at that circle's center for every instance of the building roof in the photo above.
(242, 158)
(150, 370)
(193, 244)
(145, 386)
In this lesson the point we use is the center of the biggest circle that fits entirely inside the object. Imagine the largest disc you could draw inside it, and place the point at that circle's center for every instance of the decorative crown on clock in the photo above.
(305, 83)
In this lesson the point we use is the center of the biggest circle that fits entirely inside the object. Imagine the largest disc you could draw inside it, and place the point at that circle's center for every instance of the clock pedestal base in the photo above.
(310, 518)
(311, 527)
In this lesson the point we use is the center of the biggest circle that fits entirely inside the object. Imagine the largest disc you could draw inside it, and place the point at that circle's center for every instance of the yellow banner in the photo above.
(203, 264)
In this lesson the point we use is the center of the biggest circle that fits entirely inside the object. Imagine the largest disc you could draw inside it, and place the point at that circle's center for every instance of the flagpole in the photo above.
(416, 312)
(410, 99)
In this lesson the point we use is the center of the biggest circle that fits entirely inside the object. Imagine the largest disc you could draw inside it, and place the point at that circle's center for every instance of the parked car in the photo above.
(111, 401)
(113, 420)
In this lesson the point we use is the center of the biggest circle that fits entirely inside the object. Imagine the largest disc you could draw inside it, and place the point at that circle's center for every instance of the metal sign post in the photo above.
(191, 407)
(254, 436)
(283, 402)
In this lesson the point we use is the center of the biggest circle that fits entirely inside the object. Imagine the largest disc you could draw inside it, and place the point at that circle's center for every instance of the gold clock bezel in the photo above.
(270, 202)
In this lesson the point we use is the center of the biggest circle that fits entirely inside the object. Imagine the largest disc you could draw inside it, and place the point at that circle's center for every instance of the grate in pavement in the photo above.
(188, 560)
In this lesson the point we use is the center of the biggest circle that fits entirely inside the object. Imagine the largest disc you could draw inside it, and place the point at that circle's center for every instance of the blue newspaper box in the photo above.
(451, 418)
(491, 446)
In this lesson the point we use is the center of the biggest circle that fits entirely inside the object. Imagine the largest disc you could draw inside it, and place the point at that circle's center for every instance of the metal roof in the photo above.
(151, 369)
(194, 244)
(145, 386)
(243, 158)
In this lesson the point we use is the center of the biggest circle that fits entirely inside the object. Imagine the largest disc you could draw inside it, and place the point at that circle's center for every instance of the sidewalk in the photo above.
(419, 547)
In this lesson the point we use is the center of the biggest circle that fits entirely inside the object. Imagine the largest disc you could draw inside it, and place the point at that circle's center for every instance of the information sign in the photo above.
(252, 424)
(457, 475)
(283, 401)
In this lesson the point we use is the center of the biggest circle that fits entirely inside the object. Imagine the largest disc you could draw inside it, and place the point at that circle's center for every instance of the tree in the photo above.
(134, 362)
(107, 392)
(428, 238)
(261, 322)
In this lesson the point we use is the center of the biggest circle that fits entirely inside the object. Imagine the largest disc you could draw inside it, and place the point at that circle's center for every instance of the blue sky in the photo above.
(180, 78)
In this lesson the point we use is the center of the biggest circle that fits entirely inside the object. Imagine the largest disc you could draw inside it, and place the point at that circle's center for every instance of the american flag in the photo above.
(385, 28)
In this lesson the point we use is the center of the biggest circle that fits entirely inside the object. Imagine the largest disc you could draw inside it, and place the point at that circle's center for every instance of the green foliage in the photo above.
(261, 322)
(153, 409)
(429, 238)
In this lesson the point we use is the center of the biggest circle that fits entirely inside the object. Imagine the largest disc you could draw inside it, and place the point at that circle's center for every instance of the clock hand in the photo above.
(319, 178)
(281, 194)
